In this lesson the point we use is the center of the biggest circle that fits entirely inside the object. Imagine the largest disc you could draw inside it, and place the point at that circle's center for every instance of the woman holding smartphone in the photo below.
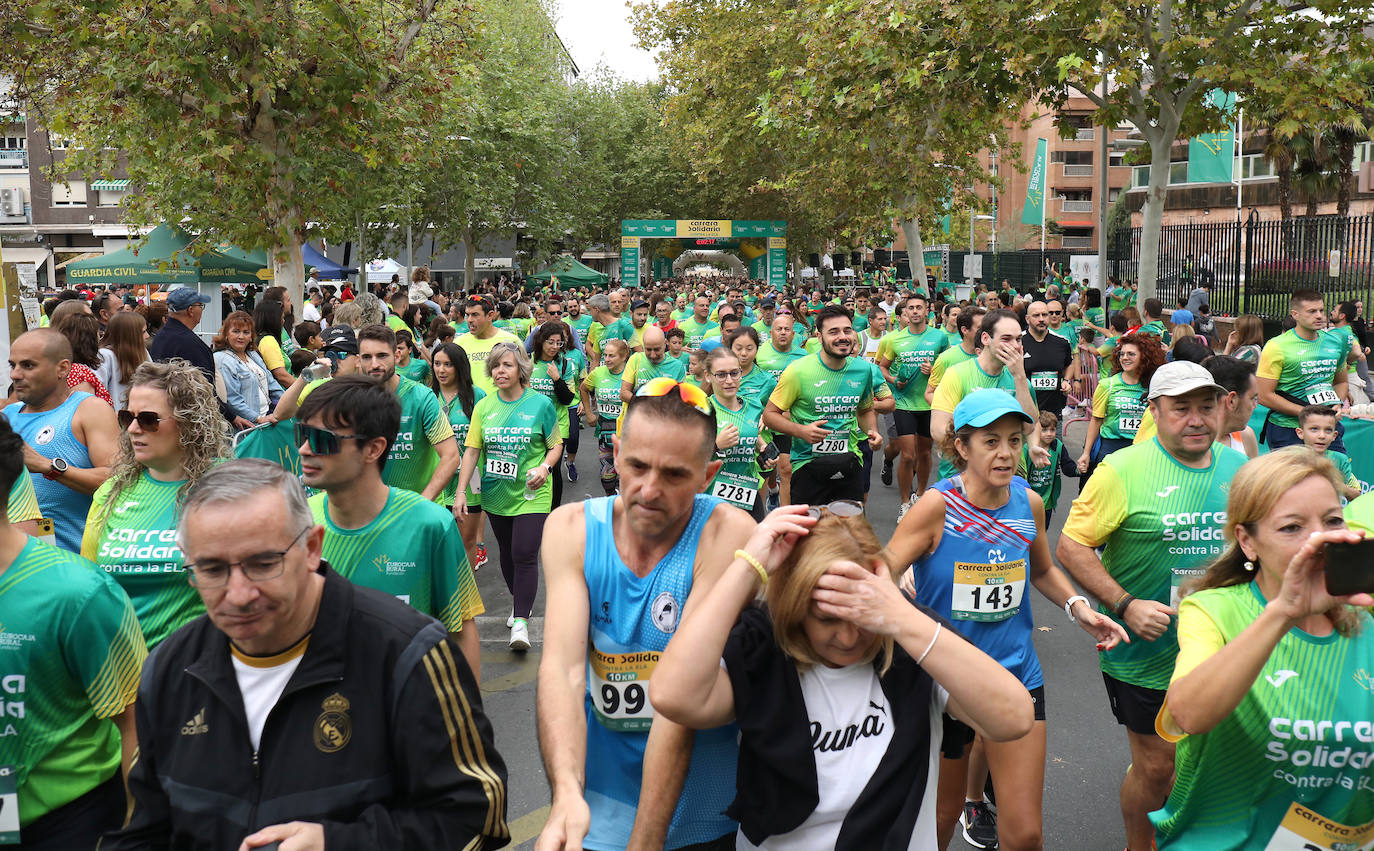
(1274, 681)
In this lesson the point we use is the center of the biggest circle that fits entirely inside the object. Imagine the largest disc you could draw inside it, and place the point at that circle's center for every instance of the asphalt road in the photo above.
(1087, 753)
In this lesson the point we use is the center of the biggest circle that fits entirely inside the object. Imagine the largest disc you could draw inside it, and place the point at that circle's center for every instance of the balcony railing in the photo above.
(1076, 206)
(1072, 170)
(1078, 242)
(14, 159)
(1084, 134)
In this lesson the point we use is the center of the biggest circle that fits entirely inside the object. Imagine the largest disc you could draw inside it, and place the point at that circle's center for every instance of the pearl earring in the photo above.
(1249, 567)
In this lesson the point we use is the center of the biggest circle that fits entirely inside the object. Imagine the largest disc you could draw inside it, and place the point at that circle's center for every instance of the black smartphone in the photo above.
(769, 454)
(1350, 568)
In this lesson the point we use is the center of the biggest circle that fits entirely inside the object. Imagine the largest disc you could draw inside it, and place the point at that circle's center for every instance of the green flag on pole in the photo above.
(1210, 155)
(945, 220)
(1033, 213)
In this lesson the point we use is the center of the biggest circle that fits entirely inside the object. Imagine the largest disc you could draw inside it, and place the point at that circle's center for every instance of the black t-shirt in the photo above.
(1045, 362)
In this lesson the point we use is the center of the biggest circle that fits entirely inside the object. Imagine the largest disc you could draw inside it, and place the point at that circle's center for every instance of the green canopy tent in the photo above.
(570, 274)
(163, 257)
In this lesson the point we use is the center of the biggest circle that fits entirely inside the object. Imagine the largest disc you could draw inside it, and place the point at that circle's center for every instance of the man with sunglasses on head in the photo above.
(553, 312)
(303, 709)
(481, 337)
(70, 437)
(824, 402)
(625, 569)
(380, 536)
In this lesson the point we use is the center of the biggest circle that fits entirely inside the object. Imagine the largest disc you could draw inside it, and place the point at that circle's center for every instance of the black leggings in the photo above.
(574, 432)
(518, 538)
(556, 473)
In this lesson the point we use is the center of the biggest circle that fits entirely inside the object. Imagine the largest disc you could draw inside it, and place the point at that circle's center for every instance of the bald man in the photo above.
(70, 437)
(649, 364)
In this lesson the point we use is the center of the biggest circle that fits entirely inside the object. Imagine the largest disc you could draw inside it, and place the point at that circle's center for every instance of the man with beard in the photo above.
(825, 402)
(623, 570)
(425, 454)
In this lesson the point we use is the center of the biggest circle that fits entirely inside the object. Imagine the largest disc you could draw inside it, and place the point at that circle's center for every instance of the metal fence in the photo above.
(1254, 265)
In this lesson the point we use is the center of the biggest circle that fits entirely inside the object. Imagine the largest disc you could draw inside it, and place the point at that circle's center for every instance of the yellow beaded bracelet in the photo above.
(754, 563)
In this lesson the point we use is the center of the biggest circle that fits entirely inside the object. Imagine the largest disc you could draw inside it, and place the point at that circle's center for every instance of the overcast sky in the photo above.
(598, 31)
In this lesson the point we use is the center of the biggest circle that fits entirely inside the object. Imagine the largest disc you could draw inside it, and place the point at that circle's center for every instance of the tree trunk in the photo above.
(915, 249)
(288, 270)
(361, 259)
(470, 262)
(1148, 272)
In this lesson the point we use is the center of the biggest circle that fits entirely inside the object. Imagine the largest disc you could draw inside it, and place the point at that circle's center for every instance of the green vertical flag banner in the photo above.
(1211, 155)
(945, 207)
(1033, 212)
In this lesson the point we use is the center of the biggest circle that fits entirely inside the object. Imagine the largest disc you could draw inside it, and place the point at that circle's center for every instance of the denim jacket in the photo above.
(241, 386)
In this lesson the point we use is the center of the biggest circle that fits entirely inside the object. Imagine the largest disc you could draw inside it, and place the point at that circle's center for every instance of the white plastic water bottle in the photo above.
(530, 491)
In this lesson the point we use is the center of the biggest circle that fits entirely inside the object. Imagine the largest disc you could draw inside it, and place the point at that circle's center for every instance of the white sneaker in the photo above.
(906, 506)
(510, 621)
(520, 636)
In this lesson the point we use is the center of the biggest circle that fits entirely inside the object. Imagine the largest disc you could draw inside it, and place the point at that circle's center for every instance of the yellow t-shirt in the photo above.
(270, 350)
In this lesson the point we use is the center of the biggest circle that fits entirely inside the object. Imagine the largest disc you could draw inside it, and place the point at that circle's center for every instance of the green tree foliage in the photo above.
(1160, 60)
(846, 114)
(246, 120)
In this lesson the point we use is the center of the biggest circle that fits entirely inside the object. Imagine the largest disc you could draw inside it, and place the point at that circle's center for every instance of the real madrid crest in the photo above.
(333, 729)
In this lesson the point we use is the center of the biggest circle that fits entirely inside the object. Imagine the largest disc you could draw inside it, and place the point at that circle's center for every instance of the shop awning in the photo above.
(109, 185)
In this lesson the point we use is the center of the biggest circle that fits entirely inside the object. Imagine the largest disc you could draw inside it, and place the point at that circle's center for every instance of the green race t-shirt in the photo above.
(458, 420)
(1160, 524)
(1291, 766)
(23, 504)
(71, 653)
(810, 392)
(907, 353)
(1302, 368)
(1159, 329)
(514, 438)
(639, 370)
(541, 383)
(1043, 480)
(410, 550)
(1121, 406)
(133, 539)
(1119, 298)
(412, 458)
(603, 390)
(697, 331)
(773, 361)
(581, 324)
(416, 369)
(738, 480)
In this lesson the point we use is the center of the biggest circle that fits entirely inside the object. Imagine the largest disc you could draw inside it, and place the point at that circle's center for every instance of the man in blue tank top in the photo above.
(70, 438)
(624, 570)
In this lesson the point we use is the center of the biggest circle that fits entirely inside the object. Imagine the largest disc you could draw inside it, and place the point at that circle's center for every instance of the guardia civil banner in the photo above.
(1211, 155)
(1033, 212)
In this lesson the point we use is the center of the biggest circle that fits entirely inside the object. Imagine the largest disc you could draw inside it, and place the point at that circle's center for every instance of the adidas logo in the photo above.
(196, 725)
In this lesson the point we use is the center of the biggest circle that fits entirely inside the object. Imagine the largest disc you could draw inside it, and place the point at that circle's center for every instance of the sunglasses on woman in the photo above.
(147, 420)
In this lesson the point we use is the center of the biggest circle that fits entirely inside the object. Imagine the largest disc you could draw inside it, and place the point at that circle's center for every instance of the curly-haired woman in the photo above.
(172, 433)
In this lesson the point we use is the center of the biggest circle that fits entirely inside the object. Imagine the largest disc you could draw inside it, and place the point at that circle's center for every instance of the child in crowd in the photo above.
(300, 359)
(696, 370)
(307, 336)
(676, 339)
(1046, 480)
(1317, 430)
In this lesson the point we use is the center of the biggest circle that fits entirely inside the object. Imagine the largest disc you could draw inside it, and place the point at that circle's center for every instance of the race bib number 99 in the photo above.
(987, 592)
(619, 686)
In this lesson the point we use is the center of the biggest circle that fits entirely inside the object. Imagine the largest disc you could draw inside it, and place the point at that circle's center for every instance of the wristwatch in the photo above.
(56, 470)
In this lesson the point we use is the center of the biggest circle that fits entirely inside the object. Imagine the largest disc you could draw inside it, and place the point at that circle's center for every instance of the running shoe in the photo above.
(572, 472)
(979, 825)
(887, 472)
(520, 639)
(906, 506)
(510, 621)
(773, 501)
(481, 553)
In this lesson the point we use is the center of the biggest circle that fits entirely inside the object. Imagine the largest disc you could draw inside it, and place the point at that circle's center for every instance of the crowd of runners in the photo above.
(238, 605)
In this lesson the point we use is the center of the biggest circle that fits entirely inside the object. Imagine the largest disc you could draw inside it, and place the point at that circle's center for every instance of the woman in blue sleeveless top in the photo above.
(974, 541)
